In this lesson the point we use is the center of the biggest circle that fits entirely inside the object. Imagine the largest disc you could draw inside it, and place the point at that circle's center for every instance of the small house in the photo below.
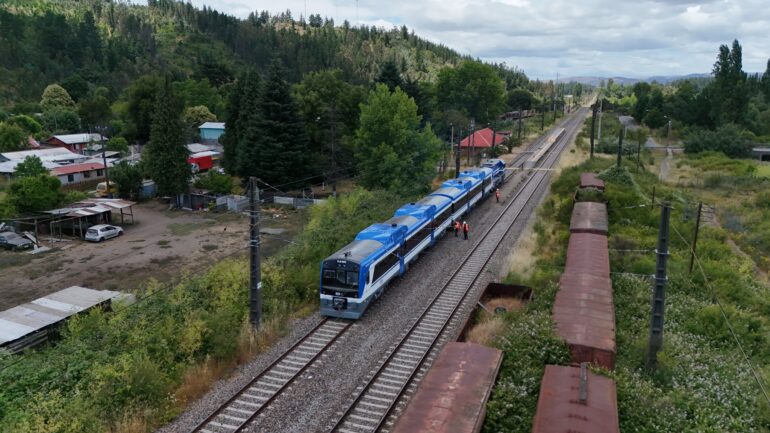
(211, 131)
(78, 143)
(79, 173)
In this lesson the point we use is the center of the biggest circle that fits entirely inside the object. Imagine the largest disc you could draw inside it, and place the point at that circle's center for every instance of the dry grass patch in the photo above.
(486, 331)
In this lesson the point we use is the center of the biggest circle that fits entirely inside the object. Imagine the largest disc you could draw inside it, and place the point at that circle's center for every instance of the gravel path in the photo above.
(311, 403)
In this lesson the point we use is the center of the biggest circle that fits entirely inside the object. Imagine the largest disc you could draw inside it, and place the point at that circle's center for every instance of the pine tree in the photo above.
(246, 129)
(165, 155)
(274, 145)
(389, 75)
(232, 124)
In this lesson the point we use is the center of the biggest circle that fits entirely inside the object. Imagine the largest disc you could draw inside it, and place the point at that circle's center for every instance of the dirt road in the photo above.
(163, 245)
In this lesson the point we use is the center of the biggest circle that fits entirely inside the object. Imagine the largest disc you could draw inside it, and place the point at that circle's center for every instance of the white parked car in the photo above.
(102, 232)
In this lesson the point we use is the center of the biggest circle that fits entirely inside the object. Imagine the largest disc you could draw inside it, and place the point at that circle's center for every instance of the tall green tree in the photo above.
(330, 108)
(729, 86)
(141, 104)
(165, 156)
(233, 122)
(54, 96)
(473, 88)
(390, 76)
(128, 179)
(246, 128)
(35, 193)
(30, 167)
(275, 146)
(11, 137)
(391, 151)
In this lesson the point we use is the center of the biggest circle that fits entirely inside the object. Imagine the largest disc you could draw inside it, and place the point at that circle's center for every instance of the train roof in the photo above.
(461, 183)
(449, 192)
(417, 210)
(477, 173)
(357, 251)
(494, 163)
(439, 201)
(411, 223)
(386, 234)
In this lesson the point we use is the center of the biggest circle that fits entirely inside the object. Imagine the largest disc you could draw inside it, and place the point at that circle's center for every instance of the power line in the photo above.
(727, 320)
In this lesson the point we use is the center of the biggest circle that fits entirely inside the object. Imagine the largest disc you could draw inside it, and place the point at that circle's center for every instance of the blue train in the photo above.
(358, 273)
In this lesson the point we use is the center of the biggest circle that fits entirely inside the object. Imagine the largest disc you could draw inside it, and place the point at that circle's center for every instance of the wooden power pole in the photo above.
(655, 342)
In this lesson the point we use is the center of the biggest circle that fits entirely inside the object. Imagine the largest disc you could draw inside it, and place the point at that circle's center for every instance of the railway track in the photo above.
(241, 410)
(373, 408)
(249, 402)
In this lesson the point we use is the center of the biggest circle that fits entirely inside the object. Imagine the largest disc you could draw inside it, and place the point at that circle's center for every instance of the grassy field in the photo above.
(703, 384)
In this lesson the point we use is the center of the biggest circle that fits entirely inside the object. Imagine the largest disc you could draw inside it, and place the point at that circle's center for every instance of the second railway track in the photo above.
(242, 409)
(374, 405)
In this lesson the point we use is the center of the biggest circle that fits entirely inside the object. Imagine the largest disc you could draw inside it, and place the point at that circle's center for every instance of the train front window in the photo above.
(340, 278)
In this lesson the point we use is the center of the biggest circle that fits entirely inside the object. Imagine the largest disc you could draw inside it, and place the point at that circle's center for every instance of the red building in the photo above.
(75, 142)
(481, 141)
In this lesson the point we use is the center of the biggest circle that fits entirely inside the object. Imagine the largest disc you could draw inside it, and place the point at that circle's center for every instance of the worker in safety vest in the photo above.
(457, 227)
(466, 228)
(497, 194)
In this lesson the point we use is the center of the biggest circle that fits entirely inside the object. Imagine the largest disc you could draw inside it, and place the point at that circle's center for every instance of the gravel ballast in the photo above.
(316, 399)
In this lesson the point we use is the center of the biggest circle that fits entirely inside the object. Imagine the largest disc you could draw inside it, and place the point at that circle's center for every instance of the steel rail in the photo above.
(241, 409)
(399, 369)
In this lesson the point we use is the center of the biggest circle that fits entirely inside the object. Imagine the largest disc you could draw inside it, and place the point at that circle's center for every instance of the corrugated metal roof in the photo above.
(77, 168)
(560, 409)
(589, 217)
(212, 125)
(587, 253)
(18, 322)
(92, 206)
(79, 138)
(452, 396)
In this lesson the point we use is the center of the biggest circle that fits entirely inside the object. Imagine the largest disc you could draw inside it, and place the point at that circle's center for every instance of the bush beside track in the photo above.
(702, 384)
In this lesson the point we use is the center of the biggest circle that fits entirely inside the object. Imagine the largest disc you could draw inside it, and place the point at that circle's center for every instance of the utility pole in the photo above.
(334, 153)
(494, 136)
(457, 154)
(521, 113)
(472, 140)
(655, 342)
(638, 153)
(695, 238)
(104, 160)
(255, 286)
(593, 127)
(599, 134)
(620, 145)
(542, 118)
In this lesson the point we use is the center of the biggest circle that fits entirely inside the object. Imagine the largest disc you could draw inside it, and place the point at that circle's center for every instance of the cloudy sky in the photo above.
(636, 38)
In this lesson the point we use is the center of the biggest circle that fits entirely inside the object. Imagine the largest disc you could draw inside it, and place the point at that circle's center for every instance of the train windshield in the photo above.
(340, 278)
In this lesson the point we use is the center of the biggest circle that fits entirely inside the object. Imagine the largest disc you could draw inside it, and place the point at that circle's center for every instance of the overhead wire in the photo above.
(725, 317)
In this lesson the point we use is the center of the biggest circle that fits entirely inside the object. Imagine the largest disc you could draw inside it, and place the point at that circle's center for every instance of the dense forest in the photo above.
(294, 90)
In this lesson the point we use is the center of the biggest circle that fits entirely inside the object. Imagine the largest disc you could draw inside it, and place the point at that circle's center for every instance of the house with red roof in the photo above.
(482, 140)
(77, 143)
(79, 173)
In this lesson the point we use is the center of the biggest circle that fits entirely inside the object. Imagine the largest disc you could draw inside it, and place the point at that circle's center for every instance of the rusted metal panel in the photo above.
(589, 180)
(587, 253)
(560, 409)
(589, 217)
(453, 395)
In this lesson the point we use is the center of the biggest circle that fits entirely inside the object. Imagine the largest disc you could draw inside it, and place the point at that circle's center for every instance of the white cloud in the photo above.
(636, 38)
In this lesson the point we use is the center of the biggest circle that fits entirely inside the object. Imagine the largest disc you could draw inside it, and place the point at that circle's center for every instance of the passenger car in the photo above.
(102, 232)
(12, 241)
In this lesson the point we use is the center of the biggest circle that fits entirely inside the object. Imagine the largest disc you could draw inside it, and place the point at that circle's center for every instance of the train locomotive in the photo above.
(357, 274)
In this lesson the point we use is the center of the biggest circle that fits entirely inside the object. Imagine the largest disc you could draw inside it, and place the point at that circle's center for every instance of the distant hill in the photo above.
(110, 43)
(662, 79)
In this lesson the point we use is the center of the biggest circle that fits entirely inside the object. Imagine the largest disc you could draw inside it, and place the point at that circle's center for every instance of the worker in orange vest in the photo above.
(497, 194)
(457, 227)
(466, 228)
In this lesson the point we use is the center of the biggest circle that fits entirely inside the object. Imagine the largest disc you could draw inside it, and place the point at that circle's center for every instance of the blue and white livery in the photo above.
(358, 273)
